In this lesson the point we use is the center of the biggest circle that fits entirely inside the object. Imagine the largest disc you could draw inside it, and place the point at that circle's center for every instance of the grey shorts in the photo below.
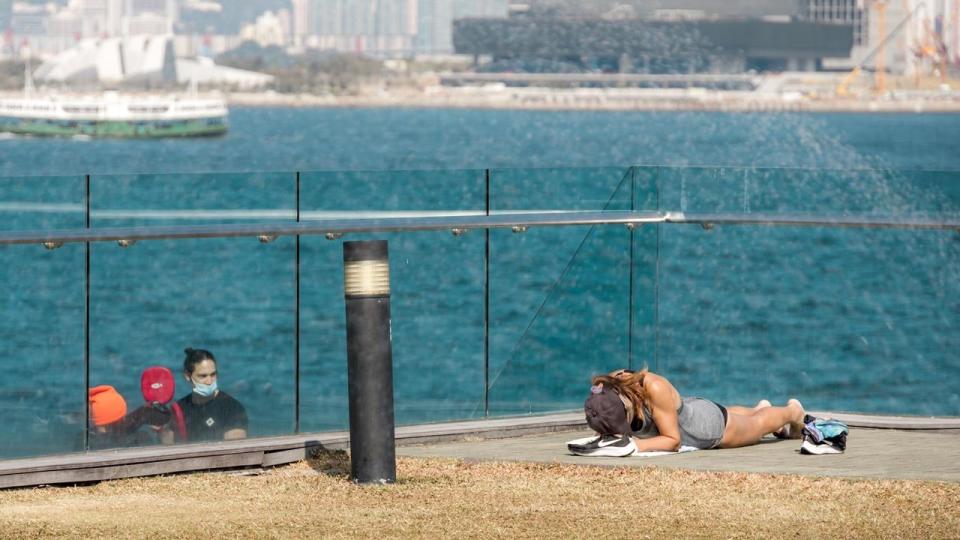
(702, 423)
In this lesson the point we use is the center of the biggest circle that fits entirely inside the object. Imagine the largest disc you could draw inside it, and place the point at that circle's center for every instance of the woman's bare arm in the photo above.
(662, 399)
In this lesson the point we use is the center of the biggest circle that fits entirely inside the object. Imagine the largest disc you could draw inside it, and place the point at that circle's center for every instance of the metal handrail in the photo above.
(916, 221)
(459, 224)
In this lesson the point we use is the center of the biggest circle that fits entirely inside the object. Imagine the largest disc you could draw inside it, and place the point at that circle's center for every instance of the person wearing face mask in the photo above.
(209, 413)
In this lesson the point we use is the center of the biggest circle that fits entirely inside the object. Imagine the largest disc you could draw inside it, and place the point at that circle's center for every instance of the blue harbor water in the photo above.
(863, 320)
(292, 139)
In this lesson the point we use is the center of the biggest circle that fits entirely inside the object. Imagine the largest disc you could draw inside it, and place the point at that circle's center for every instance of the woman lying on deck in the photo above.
(640, 411)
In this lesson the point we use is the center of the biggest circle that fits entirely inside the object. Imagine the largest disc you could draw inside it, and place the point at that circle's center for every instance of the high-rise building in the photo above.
(147, 17)
(435, 20)
(65, 24)
(327, 16)
(6, 10)
(114, 20)
(157, 7)
(379, 27)
(435, 27)
(93, 13)
(360, 17)
(107, 18)
(951, 30)
(839, 12)
(29, 20)
(147, 23)
(301, 21)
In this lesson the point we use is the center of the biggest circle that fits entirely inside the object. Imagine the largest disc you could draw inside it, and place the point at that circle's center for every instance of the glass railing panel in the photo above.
(856, 320)
(860, 320)
(851, 192)
(809, 191)
(437, 283)
(234, 297)
(42, 202)
(559, 297)
(42, 334)
(192, 199)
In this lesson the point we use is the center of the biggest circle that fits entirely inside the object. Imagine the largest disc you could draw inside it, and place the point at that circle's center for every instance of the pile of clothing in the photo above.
(823, 436)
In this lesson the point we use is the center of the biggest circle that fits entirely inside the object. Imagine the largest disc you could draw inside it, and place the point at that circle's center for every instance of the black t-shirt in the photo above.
(209, 421)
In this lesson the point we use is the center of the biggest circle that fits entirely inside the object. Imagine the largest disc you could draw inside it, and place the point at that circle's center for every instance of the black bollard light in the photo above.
(366, 283)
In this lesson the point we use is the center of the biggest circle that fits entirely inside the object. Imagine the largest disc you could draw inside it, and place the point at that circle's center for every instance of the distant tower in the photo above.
(327, 17)
(954, 31)
(301, 21)
(435, 26)
(94, 16)
(6, 14)
(114, 17)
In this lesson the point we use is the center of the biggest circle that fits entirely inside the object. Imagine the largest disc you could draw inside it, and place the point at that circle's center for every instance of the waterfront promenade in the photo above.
(878, 454)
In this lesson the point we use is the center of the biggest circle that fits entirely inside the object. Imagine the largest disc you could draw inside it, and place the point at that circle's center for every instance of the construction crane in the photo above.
(933, 49)
(879, 67)
(880, 82)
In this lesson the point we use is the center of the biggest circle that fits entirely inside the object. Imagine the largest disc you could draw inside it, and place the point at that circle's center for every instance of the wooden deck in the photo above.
(260, 452)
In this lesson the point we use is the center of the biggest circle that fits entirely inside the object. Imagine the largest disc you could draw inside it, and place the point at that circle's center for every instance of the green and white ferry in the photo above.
(111, 114)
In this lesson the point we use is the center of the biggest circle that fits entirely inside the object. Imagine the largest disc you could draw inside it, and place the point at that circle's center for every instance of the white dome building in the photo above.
(143, 58)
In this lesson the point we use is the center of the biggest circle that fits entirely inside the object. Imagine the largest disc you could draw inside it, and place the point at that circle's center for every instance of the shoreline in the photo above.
(601, 100)
(539, 99)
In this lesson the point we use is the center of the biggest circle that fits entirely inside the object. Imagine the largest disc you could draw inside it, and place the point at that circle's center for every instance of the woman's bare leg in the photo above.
(737, 409)
(762, 404)
(747, 429)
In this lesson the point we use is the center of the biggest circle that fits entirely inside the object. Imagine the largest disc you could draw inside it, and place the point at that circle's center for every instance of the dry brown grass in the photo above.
(447, 498)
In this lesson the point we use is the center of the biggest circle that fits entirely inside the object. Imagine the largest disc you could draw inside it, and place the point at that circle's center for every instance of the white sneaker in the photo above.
(810, 447)
(603, 446)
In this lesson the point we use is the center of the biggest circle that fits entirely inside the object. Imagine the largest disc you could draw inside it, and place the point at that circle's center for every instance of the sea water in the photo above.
(859, 320)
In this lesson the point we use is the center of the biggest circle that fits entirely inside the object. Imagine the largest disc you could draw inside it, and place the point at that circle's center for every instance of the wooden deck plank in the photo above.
(123, 456)
(281, 457)
(94, 474)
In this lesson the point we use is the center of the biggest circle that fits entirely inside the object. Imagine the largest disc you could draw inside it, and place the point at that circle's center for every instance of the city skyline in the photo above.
(378, 27)
(401, 28)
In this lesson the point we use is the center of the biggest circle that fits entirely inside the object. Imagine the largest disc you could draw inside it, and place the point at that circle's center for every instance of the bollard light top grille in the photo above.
(366, 278)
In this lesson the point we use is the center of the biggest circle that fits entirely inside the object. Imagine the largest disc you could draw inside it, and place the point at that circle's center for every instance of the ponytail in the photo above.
(194, 357)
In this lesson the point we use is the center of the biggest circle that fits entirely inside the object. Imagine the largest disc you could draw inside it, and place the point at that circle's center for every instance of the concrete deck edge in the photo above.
(892, 422)
(271, 451)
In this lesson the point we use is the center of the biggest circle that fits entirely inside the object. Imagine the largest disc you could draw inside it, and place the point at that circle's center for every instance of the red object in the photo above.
(179, 421)
(157, 385)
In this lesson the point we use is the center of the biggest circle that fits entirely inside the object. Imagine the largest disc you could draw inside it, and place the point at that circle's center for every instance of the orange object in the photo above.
(106, 405)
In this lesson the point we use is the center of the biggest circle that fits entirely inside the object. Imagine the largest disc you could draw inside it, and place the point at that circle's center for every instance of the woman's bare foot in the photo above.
(762, 404)
(792, 429)
(795, 426)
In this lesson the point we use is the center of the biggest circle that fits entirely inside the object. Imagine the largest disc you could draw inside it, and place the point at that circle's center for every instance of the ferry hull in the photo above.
(203, 127)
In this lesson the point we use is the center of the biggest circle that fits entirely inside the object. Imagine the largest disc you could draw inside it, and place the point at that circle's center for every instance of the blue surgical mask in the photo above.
(205, 390)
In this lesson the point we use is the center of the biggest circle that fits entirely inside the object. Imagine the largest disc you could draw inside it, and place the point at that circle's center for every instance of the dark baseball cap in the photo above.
(605, 412)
